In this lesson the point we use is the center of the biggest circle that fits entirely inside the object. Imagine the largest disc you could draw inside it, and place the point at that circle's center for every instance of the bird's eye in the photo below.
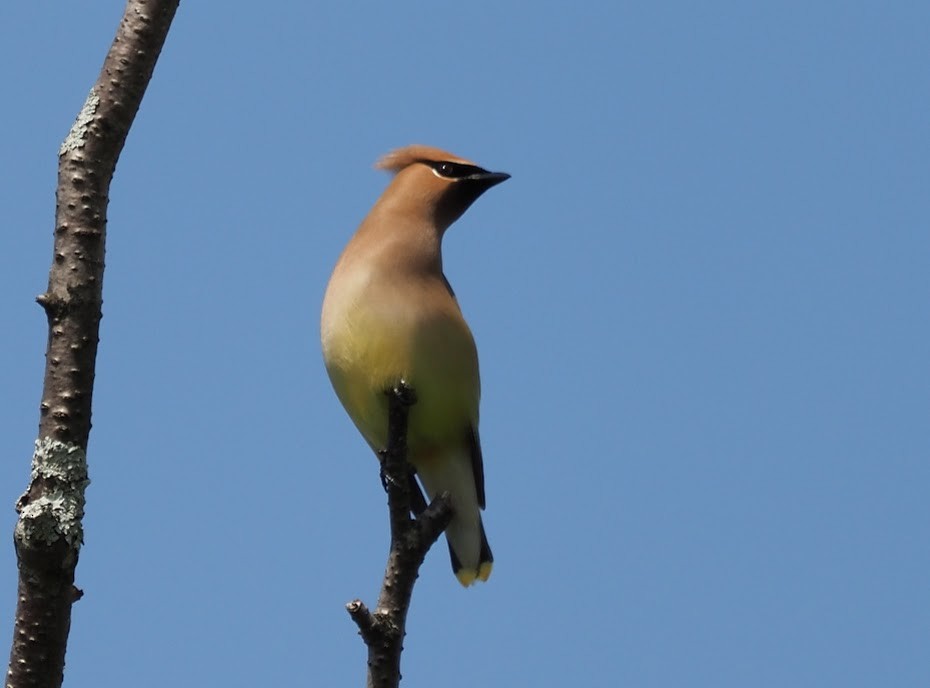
(455, 170)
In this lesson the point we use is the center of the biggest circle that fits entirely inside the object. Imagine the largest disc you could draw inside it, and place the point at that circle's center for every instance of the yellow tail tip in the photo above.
(484, 571)
(467, 577)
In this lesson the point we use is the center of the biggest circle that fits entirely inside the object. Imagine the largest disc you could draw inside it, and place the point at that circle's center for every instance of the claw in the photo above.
(404, 393)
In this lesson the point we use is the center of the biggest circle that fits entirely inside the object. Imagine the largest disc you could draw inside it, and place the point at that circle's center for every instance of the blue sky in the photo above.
(701, 305)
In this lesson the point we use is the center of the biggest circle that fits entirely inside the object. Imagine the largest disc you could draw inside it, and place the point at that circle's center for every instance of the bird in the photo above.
(390, 317)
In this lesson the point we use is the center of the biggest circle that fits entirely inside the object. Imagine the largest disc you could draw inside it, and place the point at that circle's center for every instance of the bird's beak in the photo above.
(490, 178)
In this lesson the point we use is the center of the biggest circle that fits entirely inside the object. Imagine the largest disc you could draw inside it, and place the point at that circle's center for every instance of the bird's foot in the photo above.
(404, 393)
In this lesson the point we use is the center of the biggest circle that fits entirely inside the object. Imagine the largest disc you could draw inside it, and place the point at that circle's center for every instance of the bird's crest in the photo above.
(398, 159)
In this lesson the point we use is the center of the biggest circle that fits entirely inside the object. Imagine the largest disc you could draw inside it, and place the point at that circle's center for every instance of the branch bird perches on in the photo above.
(383, 629)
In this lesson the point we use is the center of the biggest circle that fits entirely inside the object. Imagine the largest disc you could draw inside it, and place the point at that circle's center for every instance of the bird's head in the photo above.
(437, 183)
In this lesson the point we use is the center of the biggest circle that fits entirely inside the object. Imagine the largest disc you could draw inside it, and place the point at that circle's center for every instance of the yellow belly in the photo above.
(367, 354)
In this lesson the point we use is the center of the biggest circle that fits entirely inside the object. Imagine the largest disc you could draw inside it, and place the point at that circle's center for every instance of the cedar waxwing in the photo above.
(389, 314)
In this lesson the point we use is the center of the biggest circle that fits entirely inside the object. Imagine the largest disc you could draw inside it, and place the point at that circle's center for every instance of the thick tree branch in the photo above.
(383, 630)
(48, 534)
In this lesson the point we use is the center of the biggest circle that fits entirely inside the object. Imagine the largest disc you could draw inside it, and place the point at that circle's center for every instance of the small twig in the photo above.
(362, 618)
(411, 538)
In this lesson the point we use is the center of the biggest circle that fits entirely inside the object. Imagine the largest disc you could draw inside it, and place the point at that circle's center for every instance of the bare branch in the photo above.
(48, 534)
(383, 630)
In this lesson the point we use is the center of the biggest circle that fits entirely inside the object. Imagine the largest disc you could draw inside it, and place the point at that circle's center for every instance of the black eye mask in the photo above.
(455, 170)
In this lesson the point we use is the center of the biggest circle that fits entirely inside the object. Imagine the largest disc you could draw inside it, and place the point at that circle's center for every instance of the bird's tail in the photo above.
(468, 575)
(468, 545)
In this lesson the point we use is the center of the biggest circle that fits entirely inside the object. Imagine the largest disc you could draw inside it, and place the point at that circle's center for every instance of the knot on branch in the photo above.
(55, 307)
